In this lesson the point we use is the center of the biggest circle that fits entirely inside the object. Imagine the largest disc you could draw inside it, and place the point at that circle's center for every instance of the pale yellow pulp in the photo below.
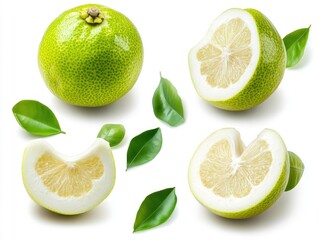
(68, 179)
(227, 175)
(225, 58)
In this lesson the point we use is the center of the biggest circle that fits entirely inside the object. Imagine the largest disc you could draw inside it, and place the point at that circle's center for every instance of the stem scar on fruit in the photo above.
(92, 15)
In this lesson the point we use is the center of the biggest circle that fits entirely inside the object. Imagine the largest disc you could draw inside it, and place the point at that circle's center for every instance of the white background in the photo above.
(168, 29)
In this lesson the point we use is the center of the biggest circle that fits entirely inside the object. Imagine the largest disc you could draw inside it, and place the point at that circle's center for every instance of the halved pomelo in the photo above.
(68, 184)
(235, 181)
(240, 61)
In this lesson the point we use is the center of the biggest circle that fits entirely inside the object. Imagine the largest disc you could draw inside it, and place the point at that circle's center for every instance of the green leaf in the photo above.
(155, 209)
(167, 105)
(296, 170)
(112, 133)
(295, 43)
(36, 118)
(144, 147)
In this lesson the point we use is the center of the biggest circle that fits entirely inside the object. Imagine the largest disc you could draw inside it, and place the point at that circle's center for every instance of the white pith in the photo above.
(214, 93)
(233, 204)
(68, 205)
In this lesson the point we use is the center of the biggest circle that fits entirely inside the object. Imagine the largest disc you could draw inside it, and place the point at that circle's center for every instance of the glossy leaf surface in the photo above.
(296, 170)
(36, 118)
(144, 147)
(155, 209)
(113, 133)
(295, 43)
(167, 104)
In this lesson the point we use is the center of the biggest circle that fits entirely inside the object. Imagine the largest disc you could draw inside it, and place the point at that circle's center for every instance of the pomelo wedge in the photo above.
(68, 185)
(235, 181)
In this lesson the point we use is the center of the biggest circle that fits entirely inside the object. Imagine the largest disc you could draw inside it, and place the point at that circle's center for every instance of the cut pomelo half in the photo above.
(240, 61)
(68, 184)
(235, 181)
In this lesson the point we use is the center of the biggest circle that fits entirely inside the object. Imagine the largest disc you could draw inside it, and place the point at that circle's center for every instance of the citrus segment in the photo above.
(226, 57)
(68, 179)
(240, 61)
(238, 182)
(68, 184)
(235, 178)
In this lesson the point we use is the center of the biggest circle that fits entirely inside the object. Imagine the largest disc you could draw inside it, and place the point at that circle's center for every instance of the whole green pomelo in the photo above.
(90, 55)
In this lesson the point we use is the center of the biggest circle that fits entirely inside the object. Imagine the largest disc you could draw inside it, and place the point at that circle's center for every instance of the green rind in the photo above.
(90, 65)
(266, 202)
(269, 71)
